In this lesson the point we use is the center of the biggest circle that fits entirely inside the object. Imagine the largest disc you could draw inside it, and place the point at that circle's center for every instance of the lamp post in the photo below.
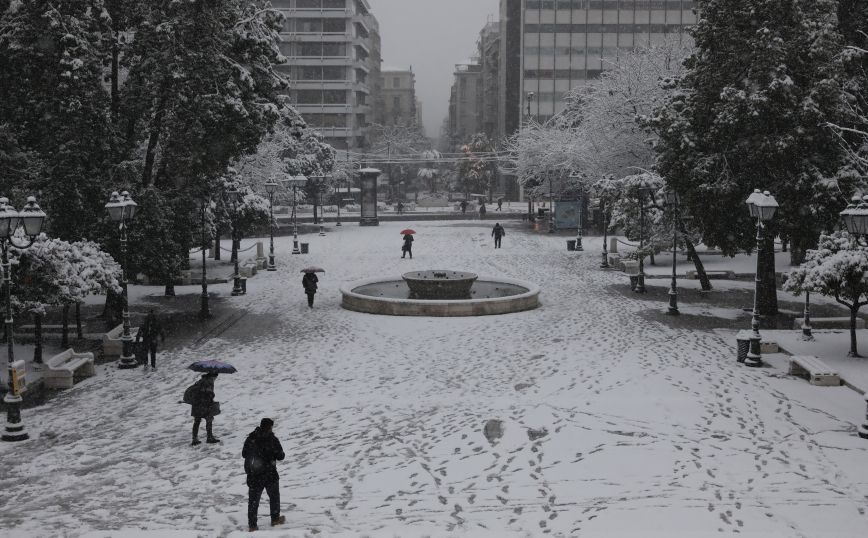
(295, 182)
(762, 207)
(271, 189)
(551, 205)
(234, 197)
(605, 264)
(204, 307)
(319, 190)
(122, 210)
(30, 219)
(673, 201)
(855, 217)
(339, 201)
(640, 281)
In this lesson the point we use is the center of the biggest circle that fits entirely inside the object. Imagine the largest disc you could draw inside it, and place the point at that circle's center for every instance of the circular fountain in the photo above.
(440, 293)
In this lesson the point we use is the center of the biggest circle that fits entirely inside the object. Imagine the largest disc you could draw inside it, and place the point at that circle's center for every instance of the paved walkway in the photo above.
(612, 422)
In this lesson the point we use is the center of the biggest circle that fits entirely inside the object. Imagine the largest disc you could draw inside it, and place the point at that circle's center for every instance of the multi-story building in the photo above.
(549, 47)
(489, 61)
(399, 97)
(465, 102)
(333, 62)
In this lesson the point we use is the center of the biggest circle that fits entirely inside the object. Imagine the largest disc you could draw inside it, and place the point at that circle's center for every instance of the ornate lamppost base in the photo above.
(640, 284)
(14, 429)
(271, 264)
(673, 305)
(128, 363)
(321, 231)
(753, 362)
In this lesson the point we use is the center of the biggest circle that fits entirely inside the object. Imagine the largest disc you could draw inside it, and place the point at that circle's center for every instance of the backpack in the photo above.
(190, 394)
(254, 465)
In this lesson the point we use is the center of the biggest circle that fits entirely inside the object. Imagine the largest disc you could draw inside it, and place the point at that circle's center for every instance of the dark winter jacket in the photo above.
(498, 231)
(482, 209)
(309, 282)
(151, 330)
(203, 398)
(408, 243)
(261, 453)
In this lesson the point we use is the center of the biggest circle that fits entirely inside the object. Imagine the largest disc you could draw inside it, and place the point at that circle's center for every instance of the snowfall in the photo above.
(613, 424)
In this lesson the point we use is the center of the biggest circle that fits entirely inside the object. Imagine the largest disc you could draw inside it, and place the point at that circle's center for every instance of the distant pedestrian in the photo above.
(407, 248)
(261, 453)
(499, 204)
(463, 205)
(498, 232)
(201, 396)
(309, 281)
(482, 210)
(147, 337)
(400, 208)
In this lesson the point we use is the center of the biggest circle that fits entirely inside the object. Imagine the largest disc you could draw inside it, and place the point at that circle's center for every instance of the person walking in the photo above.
(463, 205)
(498, 232)
(500, 204)
(309, 281)
(261, 453)
(400, 208)
(204, 407)
(147, 338)
(482, 211)
(407, 248)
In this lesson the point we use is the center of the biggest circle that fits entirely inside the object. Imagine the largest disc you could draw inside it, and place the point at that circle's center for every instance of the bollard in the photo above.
(743, 342)
(613, 245)
(863, 429)
(244, 285)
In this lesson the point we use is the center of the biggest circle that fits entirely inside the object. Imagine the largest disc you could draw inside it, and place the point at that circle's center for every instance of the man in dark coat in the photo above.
(482, 210)
(147, 336)
(204, 407)
(499, 204)
(463, 205)
(407, 248)
(498, 232)
(309, 282)
(261, 453)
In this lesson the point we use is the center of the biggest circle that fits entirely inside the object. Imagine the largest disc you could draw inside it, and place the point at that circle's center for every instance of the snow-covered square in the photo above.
(607, 424)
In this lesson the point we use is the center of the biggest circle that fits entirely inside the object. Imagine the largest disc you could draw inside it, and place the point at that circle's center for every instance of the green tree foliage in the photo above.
(751, 112)
(54, 108)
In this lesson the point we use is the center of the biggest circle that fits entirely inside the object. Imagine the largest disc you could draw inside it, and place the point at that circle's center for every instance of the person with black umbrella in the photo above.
(261, 453)
(310, 283)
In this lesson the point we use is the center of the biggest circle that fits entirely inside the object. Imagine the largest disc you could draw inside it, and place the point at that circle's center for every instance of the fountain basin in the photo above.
(440, 285)
(393, 297)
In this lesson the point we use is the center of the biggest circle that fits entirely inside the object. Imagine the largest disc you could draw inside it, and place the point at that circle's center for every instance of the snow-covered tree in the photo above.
(838, 269)
(751, 112)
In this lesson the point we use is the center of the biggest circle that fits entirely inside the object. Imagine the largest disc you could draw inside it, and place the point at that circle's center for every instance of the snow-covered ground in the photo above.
(648, 431)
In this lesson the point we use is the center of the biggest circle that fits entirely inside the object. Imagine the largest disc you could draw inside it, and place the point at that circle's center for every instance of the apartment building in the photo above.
(489, 61)
(549, 47)
(399, 97)
(465, 102)
(333, 61)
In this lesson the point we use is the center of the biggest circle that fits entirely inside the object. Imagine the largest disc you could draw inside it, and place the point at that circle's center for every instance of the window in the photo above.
(396, 82)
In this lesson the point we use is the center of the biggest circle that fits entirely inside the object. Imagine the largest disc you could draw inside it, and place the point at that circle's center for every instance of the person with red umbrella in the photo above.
(310, 281)
(408, 243)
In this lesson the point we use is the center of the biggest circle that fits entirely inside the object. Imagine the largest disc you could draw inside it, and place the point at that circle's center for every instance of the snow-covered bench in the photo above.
(815, 370)
(112, 345)
(64, 369)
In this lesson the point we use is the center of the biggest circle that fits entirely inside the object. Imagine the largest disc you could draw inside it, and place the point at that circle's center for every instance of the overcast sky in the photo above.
(432, 36)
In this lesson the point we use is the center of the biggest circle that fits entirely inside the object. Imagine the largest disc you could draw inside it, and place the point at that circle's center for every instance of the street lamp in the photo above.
(234, 197)
(762, 207)
(551, 205)
(640, 281)
(319, 190)
(339, 200)
(295, 182)
(122, 210)
(271, 189)
(855, 217)
(673, 201)
(30, 220)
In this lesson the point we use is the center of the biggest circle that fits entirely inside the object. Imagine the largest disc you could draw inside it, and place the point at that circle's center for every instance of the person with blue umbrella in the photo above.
(200, 396)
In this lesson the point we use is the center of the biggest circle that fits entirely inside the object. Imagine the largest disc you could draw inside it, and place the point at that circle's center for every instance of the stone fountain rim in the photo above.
(533, 290)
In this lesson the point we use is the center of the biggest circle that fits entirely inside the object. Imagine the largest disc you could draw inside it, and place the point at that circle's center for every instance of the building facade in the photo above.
(489, 61)
(333, 62)
(465, 103)
(399, 97)
(549, 47)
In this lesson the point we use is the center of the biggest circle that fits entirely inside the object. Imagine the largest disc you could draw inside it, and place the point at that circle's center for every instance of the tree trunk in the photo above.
(798, 251)
(37, 335)
(64, 338)
(652, 259)
(115, 98)
(854, 345)
(154, 138)
(768, 295)
(692, 255)
(217, 256)
(170, 290)
(79, 331)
